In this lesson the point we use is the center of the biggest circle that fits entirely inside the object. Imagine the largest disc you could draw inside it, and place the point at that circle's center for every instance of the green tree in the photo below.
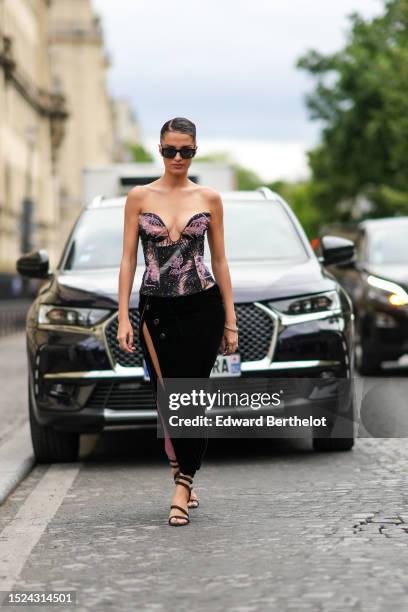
(247, 179)
(216, 156)
(361, 97)
(139, 153)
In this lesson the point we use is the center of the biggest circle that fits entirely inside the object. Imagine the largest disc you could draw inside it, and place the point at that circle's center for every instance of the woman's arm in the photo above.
(220, 267)
(128, 267)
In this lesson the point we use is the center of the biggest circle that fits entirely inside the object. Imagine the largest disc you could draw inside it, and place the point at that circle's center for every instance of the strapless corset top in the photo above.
(174, 267)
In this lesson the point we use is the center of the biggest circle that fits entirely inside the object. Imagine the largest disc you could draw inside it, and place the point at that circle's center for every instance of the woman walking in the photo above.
(186, 314)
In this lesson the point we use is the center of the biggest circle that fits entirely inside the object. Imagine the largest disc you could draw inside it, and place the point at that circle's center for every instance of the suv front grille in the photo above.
(255, 333)
(127, 360)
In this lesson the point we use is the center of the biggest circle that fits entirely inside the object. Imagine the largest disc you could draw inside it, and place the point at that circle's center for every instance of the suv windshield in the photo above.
(389, 245)
(253, 231)
(260, 230)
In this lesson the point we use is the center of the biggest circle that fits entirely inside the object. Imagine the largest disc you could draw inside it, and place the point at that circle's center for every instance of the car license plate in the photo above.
(227, 365)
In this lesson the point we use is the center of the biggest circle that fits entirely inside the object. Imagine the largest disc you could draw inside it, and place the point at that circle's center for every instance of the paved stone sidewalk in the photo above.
(279, 528)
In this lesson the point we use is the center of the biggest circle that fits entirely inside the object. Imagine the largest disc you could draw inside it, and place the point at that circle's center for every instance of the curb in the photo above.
(16, 461)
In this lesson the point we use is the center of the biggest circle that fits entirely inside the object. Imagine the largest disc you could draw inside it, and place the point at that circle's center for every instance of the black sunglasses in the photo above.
(185, 152)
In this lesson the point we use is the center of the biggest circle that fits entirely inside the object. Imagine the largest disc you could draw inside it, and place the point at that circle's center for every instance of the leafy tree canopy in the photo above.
(361, 97)
(139, 153)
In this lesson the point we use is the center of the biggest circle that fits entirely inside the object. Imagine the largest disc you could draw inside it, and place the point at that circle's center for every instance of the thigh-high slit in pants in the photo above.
(180, 337)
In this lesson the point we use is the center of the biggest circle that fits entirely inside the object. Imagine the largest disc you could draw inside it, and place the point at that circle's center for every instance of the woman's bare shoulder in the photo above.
(212, 198)
(138, 192)
(136, 196)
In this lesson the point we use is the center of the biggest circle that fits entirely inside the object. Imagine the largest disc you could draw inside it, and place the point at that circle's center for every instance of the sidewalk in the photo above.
(16, 461)
(16, 453)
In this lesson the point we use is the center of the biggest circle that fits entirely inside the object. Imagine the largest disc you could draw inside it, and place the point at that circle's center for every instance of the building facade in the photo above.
(32, 118)
(126, 128)
(79, 69)
(55, 117)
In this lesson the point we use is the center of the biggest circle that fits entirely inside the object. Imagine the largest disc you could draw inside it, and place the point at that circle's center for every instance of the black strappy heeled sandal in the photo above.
(174, 464)
(179, 480)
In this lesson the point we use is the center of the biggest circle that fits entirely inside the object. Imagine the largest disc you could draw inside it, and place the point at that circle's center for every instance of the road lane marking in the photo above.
(19, 537)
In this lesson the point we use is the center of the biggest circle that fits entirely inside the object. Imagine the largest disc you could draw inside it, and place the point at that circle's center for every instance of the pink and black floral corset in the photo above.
(174, 267)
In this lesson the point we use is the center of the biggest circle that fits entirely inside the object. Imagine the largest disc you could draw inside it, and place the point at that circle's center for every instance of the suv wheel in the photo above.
(367, 363)
(50, 445)
(324, 441)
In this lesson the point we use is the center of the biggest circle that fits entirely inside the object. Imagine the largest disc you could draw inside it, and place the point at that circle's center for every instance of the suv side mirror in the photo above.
(337, 251)
(34, 264)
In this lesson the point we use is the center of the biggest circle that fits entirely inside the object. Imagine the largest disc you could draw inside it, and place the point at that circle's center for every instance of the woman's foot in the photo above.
(194, 501)
(179, 505)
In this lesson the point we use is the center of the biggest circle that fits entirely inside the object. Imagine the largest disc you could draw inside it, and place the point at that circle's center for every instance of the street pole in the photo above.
(26, 232)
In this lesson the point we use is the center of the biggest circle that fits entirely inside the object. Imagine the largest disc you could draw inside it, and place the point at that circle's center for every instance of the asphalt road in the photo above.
(279, 527)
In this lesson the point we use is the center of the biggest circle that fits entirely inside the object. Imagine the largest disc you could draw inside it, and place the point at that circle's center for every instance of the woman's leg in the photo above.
(181, 495)
(187, 345)
(171, 358)
(201, 327)
(153, 366)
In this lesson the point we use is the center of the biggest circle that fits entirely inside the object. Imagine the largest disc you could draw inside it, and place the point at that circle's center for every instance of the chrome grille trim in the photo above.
(248, 366)
(257, 340)
(275, 330)
(124, 415)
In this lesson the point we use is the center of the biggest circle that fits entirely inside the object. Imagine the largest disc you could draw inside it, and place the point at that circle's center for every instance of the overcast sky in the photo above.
(229, 66)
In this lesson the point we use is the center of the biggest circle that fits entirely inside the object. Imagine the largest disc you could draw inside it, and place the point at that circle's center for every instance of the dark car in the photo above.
(377, 282)
(295, 320)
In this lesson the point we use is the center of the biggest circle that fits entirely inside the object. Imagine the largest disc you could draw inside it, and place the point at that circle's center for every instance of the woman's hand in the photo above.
(125, 336)
(229, 343)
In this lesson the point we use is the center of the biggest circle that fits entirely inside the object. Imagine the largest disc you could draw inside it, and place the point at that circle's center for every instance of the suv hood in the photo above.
(265, 280)
(255, 280)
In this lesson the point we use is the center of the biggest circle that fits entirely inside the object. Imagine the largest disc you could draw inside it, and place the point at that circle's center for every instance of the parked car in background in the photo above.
(377, 282)
(294, 317)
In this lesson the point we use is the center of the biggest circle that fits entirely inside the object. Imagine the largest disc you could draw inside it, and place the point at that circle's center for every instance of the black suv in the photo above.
(377, 282)
(295, 320)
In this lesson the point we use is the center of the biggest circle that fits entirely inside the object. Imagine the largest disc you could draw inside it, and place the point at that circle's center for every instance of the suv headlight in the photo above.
(386, 291)
(68, 315)
(321, 302)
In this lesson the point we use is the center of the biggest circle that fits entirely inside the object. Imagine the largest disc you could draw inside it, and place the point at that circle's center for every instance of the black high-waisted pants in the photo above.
(180, 337)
